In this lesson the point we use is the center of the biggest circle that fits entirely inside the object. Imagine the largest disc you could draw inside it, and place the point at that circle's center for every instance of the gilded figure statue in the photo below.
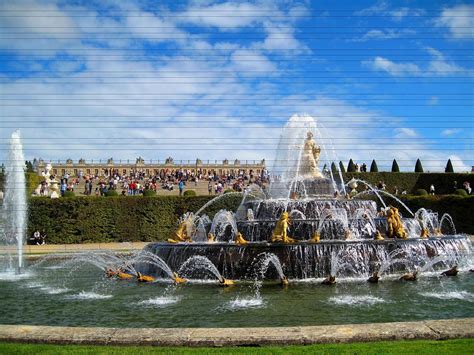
(240, 240)
(395, 227)
(181, 234)
(280, 233)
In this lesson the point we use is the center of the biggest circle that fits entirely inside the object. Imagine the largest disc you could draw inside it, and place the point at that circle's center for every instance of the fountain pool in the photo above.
(64, 292)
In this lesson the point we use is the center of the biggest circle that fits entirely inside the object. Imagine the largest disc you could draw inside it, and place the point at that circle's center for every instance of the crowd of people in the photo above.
(137, 182)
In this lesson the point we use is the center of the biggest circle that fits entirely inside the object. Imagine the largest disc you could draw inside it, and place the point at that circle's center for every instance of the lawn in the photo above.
(445, 347)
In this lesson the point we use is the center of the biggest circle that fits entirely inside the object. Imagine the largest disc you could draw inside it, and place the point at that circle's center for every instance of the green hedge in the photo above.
(458, 207)
(115, 219)
(411, 182)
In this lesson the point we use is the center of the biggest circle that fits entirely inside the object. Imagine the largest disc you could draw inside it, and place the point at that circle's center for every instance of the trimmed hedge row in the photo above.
(457, 206)
(121, 219)
(115, 219)
(443, 182)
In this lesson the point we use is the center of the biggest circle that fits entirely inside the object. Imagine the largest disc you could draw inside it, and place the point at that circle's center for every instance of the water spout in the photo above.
(15, 203)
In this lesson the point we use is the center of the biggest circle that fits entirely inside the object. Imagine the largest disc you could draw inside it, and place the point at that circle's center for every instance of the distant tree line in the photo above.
(351, 167)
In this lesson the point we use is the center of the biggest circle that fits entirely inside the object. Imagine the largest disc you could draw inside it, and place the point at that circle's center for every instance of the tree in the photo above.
(449, 167)
(351, 167)
(334, 168)
(418, 166)
(341, 167)
(373, 167)
(29, 167)
(395, 168)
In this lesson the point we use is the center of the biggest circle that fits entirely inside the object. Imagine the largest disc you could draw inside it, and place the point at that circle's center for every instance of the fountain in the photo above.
(302, 232)
(14, 204)
(311, 226)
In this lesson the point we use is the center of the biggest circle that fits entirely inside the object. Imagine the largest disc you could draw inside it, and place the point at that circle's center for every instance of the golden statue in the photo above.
(284, 281)
(109, 272)
(144, 278)
(395, 225)
(409, 276)
(240, 240)
(280, 233)
(329, 280)
(347, 234)
(438, 232)
(451, 272)
(378, 236)
(123, 275)
(316, 238)
(181, 234)
(177, 279)
(211, 238)
(225, 282)
(310, 158)
(425, 233)
(374, 278)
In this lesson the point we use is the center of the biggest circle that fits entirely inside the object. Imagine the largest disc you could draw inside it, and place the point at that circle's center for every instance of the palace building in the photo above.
(151, 167)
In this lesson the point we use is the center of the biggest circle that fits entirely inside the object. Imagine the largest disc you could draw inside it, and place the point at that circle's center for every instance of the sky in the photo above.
(218, 79)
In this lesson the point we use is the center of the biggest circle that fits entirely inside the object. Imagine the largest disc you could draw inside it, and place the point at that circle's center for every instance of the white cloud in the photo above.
(24, 18)
(247, 62)
(405, 132)
(225, 16)
(450, 132)
(437, 66)
(459, 20)
(392, 68)
(383, 8)
(384, 34)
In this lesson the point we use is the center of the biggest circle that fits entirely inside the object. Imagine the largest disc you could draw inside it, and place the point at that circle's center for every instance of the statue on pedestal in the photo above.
(310, 158)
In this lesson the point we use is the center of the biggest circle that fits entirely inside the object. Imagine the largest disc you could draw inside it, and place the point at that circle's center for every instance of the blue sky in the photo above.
(218, 79)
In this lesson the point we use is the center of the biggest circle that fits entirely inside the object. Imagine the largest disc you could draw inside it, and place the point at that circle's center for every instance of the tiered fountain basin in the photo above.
(303, 260)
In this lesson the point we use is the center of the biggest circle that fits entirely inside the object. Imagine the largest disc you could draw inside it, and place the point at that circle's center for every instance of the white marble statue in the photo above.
(310, 158)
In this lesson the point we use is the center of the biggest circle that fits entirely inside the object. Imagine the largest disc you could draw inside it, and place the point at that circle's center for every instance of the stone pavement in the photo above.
(429, 329)
(74, 248)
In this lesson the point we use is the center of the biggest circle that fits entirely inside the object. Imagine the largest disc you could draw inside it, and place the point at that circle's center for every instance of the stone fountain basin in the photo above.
(303, 260)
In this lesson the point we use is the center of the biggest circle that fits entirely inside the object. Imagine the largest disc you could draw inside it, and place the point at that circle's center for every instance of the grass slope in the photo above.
(446, 347)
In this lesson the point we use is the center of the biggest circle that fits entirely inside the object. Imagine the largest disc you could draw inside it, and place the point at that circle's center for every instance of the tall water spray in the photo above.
(14, 204)
(289, 169)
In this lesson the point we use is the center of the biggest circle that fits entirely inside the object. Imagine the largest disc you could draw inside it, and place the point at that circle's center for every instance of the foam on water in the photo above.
(14, 276)
(83, 295)
(355, 300)
(159, 301)
(240, 303)
(34, 285)
(454, 295)
(53, 290)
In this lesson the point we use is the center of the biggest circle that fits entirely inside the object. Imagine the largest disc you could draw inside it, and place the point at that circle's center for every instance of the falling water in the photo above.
(14, 204)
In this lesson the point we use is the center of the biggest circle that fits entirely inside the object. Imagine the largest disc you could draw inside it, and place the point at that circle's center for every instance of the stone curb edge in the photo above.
(217, 337)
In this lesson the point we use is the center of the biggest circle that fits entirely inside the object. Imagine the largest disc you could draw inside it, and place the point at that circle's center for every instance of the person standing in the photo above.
(181, 187)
